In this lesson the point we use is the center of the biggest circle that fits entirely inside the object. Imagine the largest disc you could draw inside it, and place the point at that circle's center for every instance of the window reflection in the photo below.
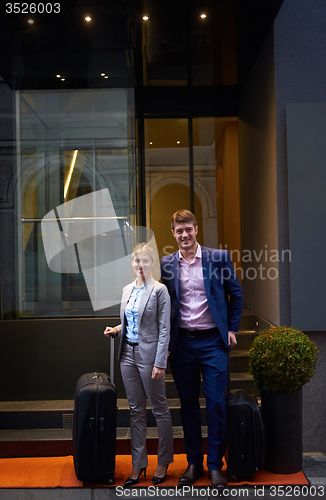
(71, 144)
(205, 166)
(167, 176)
(182, 45)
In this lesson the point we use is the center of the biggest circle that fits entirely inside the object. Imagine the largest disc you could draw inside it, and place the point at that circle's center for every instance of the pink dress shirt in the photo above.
(194, 310)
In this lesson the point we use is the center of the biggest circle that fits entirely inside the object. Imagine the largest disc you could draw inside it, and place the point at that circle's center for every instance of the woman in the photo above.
(143, 352)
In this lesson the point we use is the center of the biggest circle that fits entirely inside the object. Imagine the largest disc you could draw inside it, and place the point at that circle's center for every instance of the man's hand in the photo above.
(157, 373)
(232, 339)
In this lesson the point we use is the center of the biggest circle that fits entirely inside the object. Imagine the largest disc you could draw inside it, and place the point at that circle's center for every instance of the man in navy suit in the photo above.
(206, 307)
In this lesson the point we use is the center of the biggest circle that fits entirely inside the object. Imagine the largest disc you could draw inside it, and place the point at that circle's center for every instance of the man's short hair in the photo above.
(183, 216)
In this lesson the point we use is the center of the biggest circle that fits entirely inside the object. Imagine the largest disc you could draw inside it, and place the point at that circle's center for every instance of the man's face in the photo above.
(185, 234)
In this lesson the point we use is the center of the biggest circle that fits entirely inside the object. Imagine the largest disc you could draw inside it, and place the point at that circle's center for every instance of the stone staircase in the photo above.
(44, 428)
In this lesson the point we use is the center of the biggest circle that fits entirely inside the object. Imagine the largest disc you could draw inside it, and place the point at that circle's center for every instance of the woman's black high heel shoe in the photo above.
(131, 482)
(159, 480)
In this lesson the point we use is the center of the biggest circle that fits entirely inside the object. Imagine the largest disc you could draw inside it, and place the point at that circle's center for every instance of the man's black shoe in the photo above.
(192, 472)
(218, 480)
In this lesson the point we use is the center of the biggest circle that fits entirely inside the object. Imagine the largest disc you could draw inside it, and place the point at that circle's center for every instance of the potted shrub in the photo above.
(282, 360)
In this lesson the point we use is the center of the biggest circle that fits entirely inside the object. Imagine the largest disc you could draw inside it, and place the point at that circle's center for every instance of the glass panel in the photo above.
(164, 44)
(216, 183)
(167, 176)
(213, 44)
(76, 199)
(215, 179)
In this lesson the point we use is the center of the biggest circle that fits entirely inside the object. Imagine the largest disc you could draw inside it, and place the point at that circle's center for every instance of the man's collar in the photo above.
(198, 253)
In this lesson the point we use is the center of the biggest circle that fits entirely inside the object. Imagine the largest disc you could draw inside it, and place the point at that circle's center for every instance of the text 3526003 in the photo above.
(297, 491)
(33, 8)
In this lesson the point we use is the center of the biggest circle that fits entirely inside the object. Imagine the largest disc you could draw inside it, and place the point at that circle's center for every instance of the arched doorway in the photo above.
(167, 200)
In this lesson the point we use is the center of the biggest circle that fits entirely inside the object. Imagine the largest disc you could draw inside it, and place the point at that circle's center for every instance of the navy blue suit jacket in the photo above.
(223, 291)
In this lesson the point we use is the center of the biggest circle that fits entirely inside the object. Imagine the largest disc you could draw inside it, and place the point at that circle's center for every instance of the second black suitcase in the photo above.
(246, 436)
(94, 428)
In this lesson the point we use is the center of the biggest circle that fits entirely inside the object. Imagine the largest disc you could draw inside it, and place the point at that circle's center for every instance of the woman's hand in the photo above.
(108, 332)
(157, 373)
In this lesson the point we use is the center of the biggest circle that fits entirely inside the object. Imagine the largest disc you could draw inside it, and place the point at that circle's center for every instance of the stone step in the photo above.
(123, 419)
(58, 442)
(244, 381)
(31, 416)
(239, 361)
(44, 428)
(239, 380)
(36, 415)
(245, 338)
(249, 320)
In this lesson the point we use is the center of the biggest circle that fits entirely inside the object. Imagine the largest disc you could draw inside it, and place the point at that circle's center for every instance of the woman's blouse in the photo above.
(131, 312)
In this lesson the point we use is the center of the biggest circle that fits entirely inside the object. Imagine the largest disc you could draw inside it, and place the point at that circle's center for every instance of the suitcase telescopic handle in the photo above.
(112, 337)
(228, 384)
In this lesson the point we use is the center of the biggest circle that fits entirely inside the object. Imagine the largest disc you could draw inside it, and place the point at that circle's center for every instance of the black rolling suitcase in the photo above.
(94, 429)
(246, 436)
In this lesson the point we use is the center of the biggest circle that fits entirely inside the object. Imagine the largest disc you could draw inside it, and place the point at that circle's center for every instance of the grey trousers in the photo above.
(136, 375)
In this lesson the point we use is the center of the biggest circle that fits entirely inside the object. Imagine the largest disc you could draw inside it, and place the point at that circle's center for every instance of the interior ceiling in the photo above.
(206, 130)
(64, 43)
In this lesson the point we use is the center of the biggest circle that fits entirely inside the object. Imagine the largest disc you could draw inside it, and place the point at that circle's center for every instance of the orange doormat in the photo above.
(52, 472)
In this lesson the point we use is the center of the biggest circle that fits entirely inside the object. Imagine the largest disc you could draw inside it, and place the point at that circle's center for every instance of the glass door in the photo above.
(193, 164)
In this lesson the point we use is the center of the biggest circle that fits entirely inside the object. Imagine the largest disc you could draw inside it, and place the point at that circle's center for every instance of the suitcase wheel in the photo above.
(231, 478)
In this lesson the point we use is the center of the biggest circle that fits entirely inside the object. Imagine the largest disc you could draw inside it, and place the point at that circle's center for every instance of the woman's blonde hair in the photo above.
(143, 247)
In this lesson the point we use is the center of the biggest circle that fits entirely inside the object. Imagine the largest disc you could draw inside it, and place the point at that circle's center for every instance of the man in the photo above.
(206, 307)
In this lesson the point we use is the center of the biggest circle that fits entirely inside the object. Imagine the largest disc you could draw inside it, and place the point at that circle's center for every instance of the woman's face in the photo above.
(142, 265)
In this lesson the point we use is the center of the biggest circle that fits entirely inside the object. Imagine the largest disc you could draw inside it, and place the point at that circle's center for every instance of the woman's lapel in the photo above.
(144, 298)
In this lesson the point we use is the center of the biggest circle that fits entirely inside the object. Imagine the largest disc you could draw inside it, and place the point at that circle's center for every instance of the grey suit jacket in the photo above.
(153, 322)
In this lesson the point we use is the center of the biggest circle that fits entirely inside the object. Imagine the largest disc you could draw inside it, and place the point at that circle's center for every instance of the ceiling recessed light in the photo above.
(88, 18)
(30, 21)
(58, 76)
(151, 142)
(178, 142)
(106, 76)
(102, 74)
(145, 18)
(62, 79)
(203, 16)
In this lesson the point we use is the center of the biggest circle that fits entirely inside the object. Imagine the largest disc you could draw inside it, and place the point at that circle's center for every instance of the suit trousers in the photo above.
(205, 355)
(136, 375)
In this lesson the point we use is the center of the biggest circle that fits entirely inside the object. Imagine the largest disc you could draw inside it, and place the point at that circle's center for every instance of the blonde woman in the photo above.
(144, 338)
